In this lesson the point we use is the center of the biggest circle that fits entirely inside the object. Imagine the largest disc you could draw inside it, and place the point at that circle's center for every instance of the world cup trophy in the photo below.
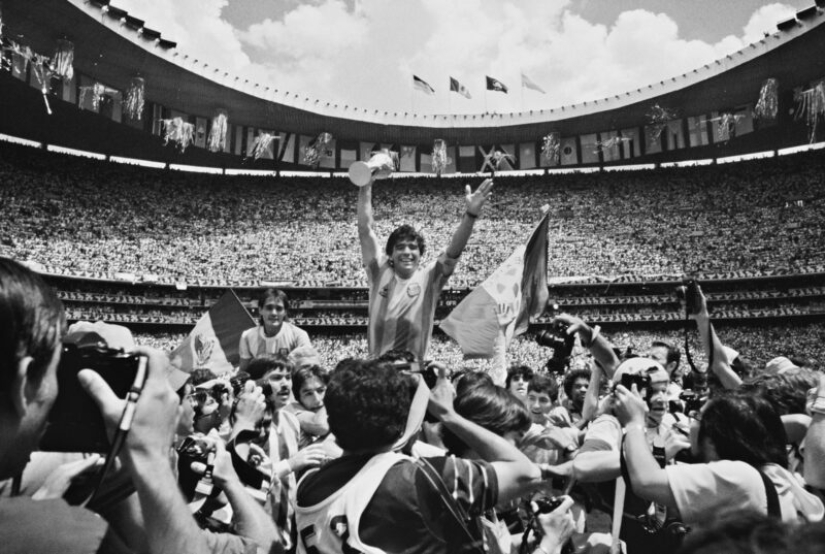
(380, 166)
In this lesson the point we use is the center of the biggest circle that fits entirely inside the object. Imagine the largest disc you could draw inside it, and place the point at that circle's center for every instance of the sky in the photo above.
(364, 52)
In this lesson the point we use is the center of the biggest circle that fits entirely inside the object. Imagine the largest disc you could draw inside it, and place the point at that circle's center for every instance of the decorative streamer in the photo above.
(97, 91)
(178, 131)
(440, 161)
(40, 67)
(261, 144)
(657, 119)
(612, 142)
(810, 105)
(498, 157)
(135, 100)
(551, 148)
(217, 132)
(63, 59)
(726, 125)
(768, 105)
(316, 150)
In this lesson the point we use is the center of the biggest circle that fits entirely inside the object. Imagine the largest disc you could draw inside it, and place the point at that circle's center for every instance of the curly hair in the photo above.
(407, 232)
(745, 427)
(570, 379)
(517, 370)
(494, 408)
(367, 403)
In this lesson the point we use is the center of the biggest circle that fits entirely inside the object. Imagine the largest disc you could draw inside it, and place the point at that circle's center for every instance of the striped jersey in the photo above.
(401, 311)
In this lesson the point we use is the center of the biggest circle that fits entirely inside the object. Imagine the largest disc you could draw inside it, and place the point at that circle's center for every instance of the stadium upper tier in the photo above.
(112, 46)
(98, 219)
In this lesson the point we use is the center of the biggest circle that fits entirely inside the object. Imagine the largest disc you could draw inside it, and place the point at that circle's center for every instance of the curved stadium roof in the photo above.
(112, 46)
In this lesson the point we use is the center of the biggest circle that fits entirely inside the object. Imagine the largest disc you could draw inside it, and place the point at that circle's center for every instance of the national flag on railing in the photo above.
(423, 85)
(505, 302)
(496, 85)
(526, 82)
(455, 86)
(213, 343)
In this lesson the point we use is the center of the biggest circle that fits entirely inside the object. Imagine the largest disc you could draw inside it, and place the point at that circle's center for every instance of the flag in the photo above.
(455, 86)
(528, 83)
(505, 302)
(213, 343)
(495, 84)
(423, 85)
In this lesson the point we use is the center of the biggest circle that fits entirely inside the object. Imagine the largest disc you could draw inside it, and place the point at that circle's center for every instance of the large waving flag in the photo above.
(505, 302)
(423, 85)
(213, 343)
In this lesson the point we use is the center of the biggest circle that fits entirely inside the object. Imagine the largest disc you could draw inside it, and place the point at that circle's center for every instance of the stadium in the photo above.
(154, 191)
(750, 229)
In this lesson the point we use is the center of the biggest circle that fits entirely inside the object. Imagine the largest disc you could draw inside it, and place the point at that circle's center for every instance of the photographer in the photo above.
(741, 440)
(31, 330)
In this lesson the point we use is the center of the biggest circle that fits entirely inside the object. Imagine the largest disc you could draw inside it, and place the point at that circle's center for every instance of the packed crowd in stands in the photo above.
(757, 343)
(82, 217)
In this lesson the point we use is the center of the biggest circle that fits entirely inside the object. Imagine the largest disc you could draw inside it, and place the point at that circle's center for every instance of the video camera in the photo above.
(561, 342)
(75, 423)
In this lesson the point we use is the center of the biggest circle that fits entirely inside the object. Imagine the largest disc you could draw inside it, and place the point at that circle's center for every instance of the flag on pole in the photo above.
(455, 86)
(496, 85)
(526, 82)
(423, 85)
(505, 302)
(213, 343)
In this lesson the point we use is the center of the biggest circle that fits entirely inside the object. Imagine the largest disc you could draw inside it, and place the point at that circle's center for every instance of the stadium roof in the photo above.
(113, 46)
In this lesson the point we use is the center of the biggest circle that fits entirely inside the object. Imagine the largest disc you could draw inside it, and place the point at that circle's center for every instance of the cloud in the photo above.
(364, 53)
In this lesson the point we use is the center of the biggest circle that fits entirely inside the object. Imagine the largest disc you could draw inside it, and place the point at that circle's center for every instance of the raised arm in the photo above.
(474, 204)
(714, 349)
(814, 471)
(515, 472)
(366, 234)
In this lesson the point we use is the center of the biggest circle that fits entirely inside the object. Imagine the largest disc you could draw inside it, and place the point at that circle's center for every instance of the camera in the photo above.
(546, 505)
(692, 401)
(689, 293)
(641, 381)
(75, 423)
(561, 342)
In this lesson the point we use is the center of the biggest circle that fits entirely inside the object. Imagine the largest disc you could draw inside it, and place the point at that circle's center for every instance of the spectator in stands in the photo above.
(403, 295)
(274, 335)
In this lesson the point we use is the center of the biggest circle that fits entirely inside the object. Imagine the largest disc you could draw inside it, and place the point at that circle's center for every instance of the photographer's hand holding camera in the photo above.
(590, 338)
(557, 527)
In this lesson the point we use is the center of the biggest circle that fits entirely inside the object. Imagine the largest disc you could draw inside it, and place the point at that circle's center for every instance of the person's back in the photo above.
(376, 498)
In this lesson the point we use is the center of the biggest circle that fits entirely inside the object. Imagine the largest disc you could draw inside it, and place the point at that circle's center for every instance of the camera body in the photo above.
(689, 293)
(641, 381)
(561, 342)
(546, 505)
(693, 402)
(75, 423)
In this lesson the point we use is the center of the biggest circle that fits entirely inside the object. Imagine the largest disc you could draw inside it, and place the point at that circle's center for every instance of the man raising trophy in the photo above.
(403, 295)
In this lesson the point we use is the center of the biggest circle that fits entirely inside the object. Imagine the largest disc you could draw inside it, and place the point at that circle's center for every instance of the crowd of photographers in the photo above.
(333, 452)
(224, 230)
